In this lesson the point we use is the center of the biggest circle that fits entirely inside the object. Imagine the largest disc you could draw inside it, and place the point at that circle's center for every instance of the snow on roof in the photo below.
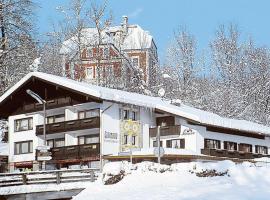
(136, 38)
(120, 96)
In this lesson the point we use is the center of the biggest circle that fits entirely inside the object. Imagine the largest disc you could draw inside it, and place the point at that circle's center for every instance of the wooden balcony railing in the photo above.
(165, 131)
(54, 103)
(72, 125)
(75, 151)
(231, 154)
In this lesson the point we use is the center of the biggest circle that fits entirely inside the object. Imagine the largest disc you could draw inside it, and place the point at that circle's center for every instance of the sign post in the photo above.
(158, 141)
(159, 151)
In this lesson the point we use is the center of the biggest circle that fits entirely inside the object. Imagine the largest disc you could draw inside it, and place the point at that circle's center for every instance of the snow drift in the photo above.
(149, 180)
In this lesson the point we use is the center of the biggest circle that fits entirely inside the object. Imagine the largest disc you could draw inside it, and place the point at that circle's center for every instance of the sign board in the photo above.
(43, 148)
(41, 155)
(188, 131)
(161, 149)
(44, 158)
(130, 129)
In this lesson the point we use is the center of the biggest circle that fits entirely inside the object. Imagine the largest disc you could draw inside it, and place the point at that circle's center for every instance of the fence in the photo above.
(47, 177)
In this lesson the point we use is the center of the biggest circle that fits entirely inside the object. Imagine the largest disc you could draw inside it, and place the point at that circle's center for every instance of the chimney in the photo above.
(125, 25)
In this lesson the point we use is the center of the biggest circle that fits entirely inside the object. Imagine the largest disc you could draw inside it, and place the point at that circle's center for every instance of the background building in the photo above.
(112, 56)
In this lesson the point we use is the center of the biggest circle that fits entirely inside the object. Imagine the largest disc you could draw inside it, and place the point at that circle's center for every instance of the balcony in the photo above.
(76, 151)
(165, 131)
(54, 103)
(72, 125)
(231, 154)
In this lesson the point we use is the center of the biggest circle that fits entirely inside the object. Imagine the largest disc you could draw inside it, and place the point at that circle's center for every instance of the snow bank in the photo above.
(144, 181)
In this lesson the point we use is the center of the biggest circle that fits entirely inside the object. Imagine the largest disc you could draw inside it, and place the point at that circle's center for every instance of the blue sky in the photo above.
(163, 17)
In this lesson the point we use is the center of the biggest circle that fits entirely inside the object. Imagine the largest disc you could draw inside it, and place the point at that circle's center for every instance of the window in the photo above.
(91, 139)
(133, 140)
(165, 121)
(169, 144)
(232, 146)
(24, 124)
(60, 142)
(156, 145)
(81, 115)
(106, 52)
(129, 114)
(88, 139)
(135, 62)
(125, 139)
(245, 147)
(50, 143)
(55, 119)
(261, 149)
(133, 115)
(211, 144)
(109, 72)
(177, 144)
(90, 53)
(23, 147)
(81, 140)
(90, 72)
(126, 114)
(88, 113)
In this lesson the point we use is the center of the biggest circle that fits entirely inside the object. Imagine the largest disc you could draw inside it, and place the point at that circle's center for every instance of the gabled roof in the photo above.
(136, 38)
(193, 114)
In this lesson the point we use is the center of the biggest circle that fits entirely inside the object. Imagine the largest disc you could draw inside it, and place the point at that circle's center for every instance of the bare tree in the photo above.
(180, 64)
(18, 48)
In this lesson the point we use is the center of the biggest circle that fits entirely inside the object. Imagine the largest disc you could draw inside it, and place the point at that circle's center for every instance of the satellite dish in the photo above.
(165, 76)
(161, 92)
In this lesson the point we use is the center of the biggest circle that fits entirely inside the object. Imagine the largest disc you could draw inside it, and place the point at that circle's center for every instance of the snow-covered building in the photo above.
(113, 52)
(88, 123)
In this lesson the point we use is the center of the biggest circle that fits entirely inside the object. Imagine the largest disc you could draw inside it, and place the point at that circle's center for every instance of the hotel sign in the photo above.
(188, 131)
(110, 135)
(130, 129)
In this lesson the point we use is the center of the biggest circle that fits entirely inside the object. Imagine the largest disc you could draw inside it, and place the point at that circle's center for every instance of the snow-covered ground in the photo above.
(246, 181)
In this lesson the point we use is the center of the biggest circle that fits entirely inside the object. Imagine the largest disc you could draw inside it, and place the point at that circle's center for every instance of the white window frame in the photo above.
(88, 75)
(135, 57)
(89, 53)
(106, 52)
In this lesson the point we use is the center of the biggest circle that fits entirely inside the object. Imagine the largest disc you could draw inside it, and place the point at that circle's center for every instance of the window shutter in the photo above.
(182, 143)
(225, 145)
(169, 144)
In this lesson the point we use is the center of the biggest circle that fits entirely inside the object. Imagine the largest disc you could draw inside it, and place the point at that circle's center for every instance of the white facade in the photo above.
(125, 122)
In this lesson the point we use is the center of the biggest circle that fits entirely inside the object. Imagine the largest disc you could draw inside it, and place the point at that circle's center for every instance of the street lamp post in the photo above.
(43, 102)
